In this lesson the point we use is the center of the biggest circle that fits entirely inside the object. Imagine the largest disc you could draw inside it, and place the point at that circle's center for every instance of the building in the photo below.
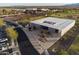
(54, 25)
(43, 33)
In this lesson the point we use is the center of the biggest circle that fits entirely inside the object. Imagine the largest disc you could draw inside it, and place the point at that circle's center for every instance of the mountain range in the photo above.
(76, 4)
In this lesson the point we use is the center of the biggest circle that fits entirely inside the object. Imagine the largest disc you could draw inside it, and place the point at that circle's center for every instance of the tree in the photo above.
(1, 22)
(12, 34)
(24, 22)
(49, 13)
(4, 11)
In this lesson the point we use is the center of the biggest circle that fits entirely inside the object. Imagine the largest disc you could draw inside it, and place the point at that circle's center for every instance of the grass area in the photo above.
(27, 20)
(75, 45)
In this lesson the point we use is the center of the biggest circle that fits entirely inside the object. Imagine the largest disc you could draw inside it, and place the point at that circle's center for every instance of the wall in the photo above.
(67, 28)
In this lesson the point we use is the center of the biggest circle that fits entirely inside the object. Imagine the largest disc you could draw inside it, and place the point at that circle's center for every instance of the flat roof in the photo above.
(56, 23)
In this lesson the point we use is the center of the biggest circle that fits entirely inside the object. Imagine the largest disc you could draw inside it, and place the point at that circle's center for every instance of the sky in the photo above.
(25, 2)
(32, 4)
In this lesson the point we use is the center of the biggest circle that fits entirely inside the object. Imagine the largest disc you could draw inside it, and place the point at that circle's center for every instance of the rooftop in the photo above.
(51, 22)
(39, 43)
